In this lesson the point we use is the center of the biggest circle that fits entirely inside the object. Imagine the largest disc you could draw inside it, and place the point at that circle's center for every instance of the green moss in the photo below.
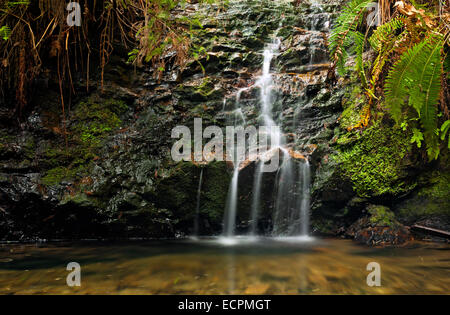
(5, 140)
(91, 122)
(381, 216)
(439, 188)
(176, 189)
(199, 91)
(55, 156)
(58, 174)
(348, 138)
(434, 199)
(95, 118)
(29, 148)
(206, 87)
(352, 104)
(376, 163)
(215, 190)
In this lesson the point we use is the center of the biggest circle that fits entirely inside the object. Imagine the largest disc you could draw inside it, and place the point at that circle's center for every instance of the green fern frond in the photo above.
(399, 79)
(417, 77)
(427, 72)
(385, 33)
(445, 128)
(345, 39)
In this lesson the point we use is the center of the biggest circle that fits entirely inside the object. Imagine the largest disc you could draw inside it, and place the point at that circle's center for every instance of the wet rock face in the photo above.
(116, 177)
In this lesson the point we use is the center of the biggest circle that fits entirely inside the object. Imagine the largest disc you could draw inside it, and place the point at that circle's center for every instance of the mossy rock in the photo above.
(381, 216)
(379, 228)
(352, 103)
(95, 118)
(177, 191)
(432, 200)
(91, 122)
(377, 163)
(214, 192)
(57, 175)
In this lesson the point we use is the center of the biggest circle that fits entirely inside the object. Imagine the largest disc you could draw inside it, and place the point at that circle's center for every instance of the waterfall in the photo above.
(291, 202)
(256, 199)
(305, 199)
(231, 205)
(292, 180)
(197, 208)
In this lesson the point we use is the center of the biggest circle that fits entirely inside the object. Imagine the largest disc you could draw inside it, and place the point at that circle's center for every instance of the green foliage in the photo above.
(345, 39)
(445, 130)
(414, 83)
(58, 174)
(416, 77)
(12, 4)
(352, 103)
(91, 122)
(385, 33)
(162, 32)
(417, 137)
(94, 119)
(5, 32)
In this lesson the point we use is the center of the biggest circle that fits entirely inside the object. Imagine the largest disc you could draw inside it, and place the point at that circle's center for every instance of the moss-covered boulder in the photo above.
(379, 228)
(428, 206)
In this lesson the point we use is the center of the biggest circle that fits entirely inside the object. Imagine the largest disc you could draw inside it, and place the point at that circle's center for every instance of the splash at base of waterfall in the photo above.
(239, 240)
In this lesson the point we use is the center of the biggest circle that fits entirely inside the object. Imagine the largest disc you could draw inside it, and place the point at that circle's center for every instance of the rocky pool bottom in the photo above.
(216, 266)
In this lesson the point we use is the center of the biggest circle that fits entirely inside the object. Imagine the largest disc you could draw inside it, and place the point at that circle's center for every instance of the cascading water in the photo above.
(197, 208)
(291, 190)
(290, 201)
(305, 200)
(256, 199)
(231, 205)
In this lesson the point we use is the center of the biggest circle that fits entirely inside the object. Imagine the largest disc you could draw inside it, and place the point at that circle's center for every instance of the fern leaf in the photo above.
(398, 79)
(427, 73)
(342, 35)
(417, 75)
(384, 33)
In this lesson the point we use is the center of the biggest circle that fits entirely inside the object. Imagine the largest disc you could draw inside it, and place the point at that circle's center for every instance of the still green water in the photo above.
(327, 266)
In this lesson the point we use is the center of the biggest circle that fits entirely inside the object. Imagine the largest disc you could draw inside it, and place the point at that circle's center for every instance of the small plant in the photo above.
(5, 32)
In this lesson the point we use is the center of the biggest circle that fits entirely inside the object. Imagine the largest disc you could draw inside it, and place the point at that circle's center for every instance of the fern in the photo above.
(416, 77)
(414, 83)
(385, 33)
(345, 38)
(445, 128)
(396, 90)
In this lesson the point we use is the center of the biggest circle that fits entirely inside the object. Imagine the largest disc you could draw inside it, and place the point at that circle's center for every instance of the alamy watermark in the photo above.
(374, 278)
(74, 277)
(374, 17)
(74, 16)
(241, 144)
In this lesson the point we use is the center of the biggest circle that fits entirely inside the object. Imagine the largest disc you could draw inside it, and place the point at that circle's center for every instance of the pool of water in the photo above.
(224, 266)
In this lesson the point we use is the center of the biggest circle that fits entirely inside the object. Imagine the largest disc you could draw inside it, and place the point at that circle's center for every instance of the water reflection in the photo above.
(242, 265)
